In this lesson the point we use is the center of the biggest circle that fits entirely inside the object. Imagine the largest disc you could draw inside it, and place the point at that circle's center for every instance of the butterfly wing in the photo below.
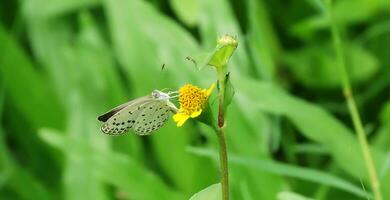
(104, 117)
(122, 118)
(153, 117)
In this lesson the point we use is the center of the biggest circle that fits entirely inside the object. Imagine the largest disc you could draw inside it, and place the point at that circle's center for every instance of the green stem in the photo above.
(357, 122)
(221, 137)
(223, 159)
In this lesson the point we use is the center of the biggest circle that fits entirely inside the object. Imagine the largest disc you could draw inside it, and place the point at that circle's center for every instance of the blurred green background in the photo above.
(290, 137)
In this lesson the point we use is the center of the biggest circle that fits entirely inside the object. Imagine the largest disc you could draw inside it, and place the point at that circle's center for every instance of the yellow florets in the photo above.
(192, 100)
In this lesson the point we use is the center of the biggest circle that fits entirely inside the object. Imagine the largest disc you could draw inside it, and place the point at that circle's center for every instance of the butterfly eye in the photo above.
(156, 94)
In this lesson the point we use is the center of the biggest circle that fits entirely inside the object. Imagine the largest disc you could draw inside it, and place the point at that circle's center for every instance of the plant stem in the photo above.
(221, 138)
(357, 122)
(223, 159)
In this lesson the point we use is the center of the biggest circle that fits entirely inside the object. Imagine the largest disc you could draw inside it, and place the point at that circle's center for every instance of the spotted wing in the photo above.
(123, 118)
(152, 117)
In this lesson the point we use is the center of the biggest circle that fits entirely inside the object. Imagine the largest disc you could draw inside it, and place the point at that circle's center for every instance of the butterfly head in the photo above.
(157, 94)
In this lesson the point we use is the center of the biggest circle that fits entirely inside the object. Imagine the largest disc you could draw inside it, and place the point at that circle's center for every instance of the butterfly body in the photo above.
(143, 115)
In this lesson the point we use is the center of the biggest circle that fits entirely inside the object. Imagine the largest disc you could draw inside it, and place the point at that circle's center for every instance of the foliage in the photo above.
(62, 63)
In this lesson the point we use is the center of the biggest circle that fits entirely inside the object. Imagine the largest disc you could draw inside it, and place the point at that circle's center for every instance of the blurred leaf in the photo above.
(358, 11)
(213, 192)
(187, 11)
(386, 167)
(310, 149)
(77, 173)
(314, 66)
(17, 178)
(44, 9)
(382, 139)
(30, 89)
(262, 41)
(313, 122)
(385, 113)
(137, 183)
(287, 170)
(291, 196)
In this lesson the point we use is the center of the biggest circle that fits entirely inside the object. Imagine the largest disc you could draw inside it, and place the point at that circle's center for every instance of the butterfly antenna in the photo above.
(159, 76)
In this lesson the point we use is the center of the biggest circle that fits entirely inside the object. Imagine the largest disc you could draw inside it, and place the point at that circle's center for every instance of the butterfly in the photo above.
(143, 115)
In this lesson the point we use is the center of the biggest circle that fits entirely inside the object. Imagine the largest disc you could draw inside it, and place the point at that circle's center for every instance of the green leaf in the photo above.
(187, 11)
(314, 123)
(291, 196)
(44, 9)
(30, 86)
(200, 60)
(262, 41)
(212, 192)
(17, 178)
(229, 92)
(119, 170)
(314, 66)
(275, 167)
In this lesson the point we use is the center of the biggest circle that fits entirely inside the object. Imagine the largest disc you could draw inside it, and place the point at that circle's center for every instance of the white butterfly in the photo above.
(143, 115)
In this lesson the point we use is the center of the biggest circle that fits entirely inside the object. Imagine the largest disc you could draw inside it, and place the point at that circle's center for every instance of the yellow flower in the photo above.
(192, 101)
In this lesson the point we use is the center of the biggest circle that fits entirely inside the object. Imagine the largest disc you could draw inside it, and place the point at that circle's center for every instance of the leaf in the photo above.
(359, 11)
(30, 86)
(314, 66)
(200, 60)
(212, 192)
(291, 196)
(187, 11)
(17, 178)
(262, 41)
(116, 169)
(229, 92)
(44, 9)
(275, 167)
(313, 122)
